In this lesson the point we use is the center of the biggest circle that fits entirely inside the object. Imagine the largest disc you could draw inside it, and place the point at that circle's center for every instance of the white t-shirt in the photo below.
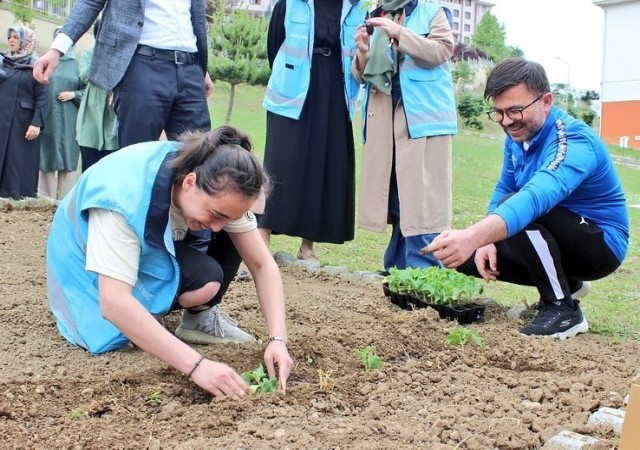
(113, 248)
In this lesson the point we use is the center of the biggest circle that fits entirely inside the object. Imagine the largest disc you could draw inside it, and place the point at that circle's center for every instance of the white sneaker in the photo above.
(211, 326)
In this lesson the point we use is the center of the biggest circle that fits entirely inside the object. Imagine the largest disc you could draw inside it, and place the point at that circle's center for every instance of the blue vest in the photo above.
(291, 72)
(427, 94)
(135, 183)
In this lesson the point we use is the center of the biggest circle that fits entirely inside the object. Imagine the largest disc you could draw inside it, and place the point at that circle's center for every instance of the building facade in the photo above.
(466, 15)
(620, 90)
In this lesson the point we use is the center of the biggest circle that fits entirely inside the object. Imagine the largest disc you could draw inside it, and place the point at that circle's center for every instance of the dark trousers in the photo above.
(157, 94)
(90, 156)
(553, 253)
(219, 264)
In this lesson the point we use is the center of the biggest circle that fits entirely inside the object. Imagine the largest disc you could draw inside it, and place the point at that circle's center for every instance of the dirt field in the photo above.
(515, 393)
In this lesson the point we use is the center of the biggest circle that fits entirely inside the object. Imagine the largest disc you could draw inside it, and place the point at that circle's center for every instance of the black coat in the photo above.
(23, 102)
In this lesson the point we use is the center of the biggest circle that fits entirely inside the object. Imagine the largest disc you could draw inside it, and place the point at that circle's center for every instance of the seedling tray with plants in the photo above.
(447, 291)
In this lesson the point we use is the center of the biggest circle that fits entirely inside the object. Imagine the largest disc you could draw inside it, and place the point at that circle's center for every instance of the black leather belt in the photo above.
(324, 51)
(176, 56)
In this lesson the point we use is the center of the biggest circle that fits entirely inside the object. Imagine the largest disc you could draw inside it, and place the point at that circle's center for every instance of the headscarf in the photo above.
(28, 45)
(382, 64)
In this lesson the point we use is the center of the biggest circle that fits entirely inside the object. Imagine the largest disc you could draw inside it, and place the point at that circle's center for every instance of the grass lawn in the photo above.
(613, 307)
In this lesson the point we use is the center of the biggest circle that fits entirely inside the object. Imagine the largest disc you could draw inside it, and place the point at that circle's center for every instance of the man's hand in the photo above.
(208, 85)
(44, 66)
(452, 247)
(486, 260)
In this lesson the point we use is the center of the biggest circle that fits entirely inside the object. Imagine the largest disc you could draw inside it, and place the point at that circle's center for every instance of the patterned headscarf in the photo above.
(28, 42)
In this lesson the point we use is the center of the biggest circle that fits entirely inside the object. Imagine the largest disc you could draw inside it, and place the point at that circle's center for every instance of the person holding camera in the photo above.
(409, 117)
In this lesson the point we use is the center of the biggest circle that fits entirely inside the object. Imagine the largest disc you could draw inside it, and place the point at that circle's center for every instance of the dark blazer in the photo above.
(119, 35)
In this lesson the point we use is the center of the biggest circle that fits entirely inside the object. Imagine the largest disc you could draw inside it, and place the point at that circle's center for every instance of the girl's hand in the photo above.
(66, 96)
(390, 27)
(276, 354)
(362, 39)
(32, 133)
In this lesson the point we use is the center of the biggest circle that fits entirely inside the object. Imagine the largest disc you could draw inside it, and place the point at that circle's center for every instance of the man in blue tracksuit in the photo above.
(557, 216)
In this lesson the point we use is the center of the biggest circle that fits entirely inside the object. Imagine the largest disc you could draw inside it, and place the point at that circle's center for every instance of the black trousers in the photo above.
(158, 94)
(554, 253)
(220, 264)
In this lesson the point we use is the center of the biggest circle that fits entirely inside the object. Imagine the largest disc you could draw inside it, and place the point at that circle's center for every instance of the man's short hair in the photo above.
(514, 71)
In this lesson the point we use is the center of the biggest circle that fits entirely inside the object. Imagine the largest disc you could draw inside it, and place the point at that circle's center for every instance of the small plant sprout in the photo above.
(326, 382)
(259, 382)
(78, 413)
(155, 398)
(462, 335)
(368, 357)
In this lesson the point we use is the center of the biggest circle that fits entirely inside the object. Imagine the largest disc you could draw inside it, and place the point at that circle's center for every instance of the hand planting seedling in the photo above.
(259, 382)
(462, 335)
(370, 361)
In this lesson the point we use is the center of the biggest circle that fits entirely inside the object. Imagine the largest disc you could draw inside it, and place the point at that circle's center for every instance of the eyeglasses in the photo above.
(515, 114)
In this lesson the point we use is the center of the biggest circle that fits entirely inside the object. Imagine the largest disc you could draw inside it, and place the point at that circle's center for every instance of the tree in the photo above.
(22, 11)
(489, 37)
(470, 107)
(463, 74)
(238, 51)
(590, 95)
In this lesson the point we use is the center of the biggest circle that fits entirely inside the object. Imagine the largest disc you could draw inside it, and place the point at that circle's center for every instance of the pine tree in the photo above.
(238, 51)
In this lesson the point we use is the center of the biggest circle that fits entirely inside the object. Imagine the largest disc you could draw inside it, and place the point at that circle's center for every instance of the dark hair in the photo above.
(222, 161)
(513, 71)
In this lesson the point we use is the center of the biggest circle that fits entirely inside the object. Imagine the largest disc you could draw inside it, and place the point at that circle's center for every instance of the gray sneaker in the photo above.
(211, 326)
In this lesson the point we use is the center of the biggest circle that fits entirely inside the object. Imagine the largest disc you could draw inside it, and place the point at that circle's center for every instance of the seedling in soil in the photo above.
(368, 357)
(155, 398)
(259, 382)
(78, 413)
(462, 335)
(327, 383)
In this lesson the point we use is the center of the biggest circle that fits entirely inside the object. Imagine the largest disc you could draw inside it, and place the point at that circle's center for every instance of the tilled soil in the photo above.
(512, 393)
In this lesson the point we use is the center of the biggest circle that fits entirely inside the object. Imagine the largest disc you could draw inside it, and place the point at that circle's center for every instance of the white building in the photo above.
(620, 90)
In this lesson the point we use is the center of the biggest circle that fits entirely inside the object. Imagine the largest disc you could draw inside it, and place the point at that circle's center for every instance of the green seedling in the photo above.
(155, 398)
(78, 413)
(434, 285)
(259, 382)
(368, 357)
(462, 336)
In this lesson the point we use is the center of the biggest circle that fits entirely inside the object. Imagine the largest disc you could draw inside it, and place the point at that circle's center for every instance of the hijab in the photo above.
(26, 52)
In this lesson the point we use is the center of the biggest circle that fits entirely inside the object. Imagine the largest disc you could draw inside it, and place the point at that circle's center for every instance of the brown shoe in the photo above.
(308, 255)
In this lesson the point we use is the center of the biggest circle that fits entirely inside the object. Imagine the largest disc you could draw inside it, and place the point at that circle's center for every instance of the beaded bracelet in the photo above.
(195, 366)
(277, 338)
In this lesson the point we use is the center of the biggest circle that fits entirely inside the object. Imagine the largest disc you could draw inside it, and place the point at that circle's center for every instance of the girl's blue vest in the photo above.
(135, 183)
(291, 71)
(427, 94)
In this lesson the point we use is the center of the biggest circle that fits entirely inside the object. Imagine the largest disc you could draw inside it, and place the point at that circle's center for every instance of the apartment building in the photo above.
(620, 90)
(466, 15)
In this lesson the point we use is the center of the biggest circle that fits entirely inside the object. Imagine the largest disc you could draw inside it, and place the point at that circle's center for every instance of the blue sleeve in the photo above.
(559, 172)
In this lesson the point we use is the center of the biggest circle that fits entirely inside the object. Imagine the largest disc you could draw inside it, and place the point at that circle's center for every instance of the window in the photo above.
(456, 13)
(456, 26)
(467, 27)
(467, 15)
(467, 2)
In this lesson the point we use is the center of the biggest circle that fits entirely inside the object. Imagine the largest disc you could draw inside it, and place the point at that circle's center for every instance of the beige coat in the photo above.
(423, 165)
